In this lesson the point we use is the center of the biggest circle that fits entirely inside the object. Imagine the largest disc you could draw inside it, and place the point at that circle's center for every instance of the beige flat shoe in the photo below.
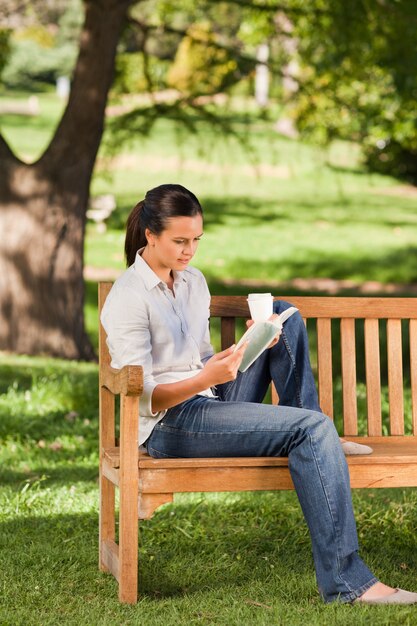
(398, 597)
(351, 447)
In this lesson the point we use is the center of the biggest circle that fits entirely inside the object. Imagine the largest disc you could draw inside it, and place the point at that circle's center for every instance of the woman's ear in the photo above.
(150, 237)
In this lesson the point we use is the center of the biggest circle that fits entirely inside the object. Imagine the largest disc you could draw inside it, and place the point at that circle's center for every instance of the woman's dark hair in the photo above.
(160, 204)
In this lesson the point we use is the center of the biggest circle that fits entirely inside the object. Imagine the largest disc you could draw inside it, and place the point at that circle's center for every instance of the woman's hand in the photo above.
(223, 366)
(250, 323)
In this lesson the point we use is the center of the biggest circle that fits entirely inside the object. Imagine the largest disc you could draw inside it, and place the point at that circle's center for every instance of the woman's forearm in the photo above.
(167, 395)
(220, 368)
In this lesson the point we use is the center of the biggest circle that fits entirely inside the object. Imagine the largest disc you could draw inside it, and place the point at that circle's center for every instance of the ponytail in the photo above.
(135, 234)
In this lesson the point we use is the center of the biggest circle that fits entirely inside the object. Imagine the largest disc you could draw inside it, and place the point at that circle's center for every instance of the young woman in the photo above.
(196, 404)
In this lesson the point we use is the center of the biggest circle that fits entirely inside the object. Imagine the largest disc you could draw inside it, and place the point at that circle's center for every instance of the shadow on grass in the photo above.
(342, 210)
(184, 549)
(172, 561)
(67, 474)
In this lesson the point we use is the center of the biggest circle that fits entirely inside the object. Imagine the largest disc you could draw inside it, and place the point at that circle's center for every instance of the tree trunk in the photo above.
(43, 207)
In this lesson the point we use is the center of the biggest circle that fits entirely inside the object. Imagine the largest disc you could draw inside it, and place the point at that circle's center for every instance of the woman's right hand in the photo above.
(223, 366)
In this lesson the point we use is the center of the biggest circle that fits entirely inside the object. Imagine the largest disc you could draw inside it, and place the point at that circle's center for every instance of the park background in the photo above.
(295, 126)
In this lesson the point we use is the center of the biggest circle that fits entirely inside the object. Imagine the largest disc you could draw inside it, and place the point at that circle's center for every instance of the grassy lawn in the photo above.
(285, 211)
(282, 211)
(226, 559)
(300, 219)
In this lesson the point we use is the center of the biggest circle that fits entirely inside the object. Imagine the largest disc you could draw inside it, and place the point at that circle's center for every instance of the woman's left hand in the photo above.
(274, 342)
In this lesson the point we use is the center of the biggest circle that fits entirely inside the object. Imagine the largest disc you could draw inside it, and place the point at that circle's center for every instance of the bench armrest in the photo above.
(127, 381)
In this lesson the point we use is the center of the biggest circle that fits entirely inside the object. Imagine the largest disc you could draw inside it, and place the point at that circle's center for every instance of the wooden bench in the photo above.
(145, 483)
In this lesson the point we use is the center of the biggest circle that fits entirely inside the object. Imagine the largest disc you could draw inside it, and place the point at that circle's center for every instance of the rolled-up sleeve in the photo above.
(126, 322)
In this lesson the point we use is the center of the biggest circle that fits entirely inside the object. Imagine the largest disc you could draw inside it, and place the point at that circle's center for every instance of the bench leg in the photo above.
(128, 486)
(106, 518)
(107, 527)
(128, 546)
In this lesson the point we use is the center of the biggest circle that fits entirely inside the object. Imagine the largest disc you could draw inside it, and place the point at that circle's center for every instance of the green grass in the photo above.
(221, 559)
(29, 135)
(280, 211)
(305, 216)
(206, 559)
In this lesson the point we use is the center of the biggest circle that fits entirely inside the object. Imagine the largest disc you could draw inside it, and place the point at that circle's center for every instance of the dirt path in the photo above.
(152, 163)
(400, 191)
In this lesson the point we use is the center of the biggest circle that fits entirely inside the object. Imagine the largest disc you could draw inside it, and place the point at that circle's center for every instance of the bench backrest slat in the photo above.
(373, 377)
(326, 306)
(413, 367)
(348, 354)
(228, 331)
(324, 365)
(395, 376)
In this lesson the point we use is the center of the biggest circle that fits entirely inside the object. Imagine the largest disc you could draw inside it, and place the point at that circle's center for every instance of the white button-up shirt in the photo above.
(168, 335)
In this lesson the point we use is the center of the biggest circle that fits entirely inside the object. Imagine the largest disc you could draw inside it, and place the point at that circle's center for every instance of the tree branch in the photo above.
(188, 112)
(251, 61)
(272, 9)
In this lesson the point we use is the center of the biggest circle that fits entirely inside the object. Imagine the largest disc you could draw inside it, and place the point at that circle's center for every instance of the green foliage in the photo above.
(226, 559)
(31, 63)
(138, 73)
(358, 81)
(70, 22)
(201, 65)
(40, 53)
(37, 33)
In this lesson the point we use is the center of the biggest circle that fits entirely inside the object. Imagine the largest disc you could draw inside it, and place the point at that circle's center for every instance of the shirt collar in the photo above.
(151, 279)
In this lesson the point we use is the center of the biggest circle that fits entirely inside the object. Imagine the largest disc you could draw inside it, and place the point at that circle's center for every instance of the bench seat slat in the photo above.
(393, 464)
(387, 449)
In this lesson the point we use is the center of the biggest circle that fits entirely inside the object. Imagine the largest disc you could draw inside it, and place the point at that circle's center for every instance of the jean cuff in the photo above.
(353, 595)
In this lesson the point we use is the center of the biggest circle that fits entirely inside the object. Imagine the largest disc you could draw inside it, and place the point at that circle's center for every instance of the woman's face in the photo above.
(174, 248)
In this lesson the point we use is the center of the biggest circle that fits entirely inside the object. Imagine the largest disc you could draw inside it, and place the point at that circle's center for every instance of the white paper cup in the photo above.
(258, 296)
(260, 308)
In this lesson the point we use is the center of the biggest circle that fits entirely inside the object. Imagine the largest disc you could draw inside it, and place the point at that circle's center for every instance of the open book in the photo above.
(260, 335)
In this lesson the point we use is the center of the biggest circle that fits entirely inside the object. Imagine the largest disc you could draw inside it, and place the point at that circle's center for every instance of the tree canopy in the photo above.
(357, 70)
(352, 63)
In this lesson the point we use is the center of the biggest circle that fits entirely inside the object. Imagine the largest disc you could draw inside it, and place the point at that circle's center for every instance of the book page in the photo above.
(260, 335)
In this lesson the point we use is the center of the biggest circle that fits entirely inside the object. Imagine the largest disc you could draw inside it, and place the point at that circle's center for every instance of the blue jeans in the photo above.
(237, 424)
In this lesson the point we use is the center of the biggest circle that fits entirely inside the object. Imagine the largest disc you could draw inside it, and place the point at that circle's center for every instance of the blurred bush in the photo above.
(201, 65)
(37, 53)
(136, 72)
